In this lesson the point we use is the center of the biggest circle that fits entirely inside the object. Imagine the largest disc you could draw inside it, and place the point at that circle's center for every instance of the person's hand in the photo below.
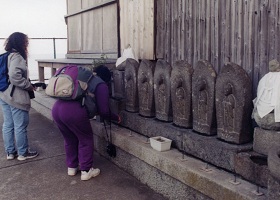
(31, 88)
(119, 119)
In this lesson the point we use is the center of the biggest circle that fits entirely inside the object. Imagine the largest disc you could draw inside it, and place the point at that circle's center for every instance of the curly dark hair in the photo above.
(103, 72)
(17, 42)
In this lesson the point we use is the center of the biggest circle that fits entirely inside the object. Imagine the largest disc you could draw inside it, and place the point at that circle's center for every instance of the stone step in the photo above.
(165, 172)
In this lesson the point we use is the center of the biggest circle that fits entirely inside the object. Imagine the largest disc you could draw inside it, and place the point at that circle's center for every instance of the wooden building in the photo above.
(245, 32)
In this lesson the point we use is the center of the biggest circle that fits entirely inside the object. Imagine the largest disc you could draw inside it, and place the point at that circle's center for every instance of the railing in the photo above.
(33, 68)
(54, 44)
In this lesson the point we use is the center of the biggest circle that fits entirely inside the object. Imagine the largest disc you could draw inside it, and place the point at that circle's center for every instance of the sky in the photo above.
(36, 18)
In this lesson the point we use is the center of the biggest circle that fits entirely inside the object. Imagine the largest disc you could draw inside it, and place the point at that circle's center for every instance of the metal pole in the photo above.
(54, 49)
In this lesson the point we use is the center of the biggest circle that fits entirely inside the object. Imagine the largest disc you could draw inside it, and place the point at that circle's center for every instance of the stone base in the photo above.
(264, 140)
(273, 188)
(207, 148)
(253, 167)
(167, 173)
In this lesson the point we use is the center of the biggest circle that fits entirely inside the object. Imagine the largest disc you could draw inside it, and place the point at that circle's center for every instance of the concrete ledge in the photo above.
(264, 140)
(43, 104)
(214, 184)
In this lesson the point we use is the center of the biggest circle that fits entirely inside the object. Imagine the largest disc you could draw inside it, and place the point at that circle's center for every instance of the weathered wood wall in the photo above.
(137, 20)
(92, 28)
(245, 32)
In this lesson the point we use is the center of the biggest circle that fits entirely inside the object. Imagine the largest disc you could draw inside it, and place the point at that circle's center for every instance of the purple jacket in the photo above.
(102, 101)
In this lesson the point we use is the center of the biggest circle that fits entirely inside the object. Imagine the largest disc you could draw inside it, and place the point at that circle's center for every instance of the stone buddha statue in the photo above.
(266, 111)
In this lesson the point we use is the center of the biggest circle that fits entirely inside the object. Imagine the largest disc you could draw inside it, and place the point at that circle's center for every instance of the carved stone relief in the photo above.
(203, 98)
(131, 89)
(162, 86)
(234, 104)
(118, 89)
(146, 88)
(181, 94)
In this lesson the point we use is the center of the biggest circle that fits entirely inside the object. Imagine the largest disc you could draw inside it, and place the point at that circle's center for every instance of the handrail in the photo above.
(38, 38)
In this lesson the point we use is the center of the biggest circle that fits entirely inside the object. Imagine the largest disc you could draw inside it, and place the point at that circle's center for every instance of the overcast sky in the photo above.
(36, 18)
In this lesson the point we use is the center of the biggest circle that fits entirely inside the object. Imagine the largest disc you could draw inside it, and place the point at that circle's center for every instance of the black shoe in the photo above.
(27, 155)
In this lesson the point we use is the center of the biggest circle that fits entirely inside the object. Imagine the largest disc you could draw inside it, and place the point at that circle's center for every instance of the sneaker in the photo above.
(27, 155)
(72, 171)
(11, 156)
(90, 174)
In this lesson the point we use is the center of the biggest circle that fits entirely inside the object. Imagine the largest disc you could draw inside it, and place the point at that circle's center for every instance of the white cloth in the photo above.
(127, 53)
(268, 95)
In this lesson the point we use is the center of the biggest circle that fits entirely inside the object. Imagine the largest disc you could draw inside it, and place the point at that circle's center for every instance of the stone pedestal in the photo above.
(274, 178)
(264, 140)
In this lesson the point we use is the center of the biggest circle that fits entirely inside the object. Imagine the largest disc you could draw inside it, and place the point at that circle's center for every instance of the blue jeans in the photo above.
(14, 129)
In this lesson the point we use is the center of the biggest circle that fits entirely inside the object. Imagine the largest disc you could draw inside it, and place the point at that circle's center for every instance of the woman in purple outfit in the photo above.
(76, 128)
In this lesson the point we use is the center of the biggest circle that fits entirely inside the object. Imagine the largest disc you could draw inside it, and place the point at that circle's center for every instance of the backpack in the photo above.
(4, 76)
(69, 83)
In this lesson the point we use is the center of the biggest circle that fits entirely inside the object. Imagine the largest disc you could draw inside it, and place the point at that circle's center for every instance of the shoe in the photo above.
(72, 171)
(90, 174)
(11, 156)
(27, 155)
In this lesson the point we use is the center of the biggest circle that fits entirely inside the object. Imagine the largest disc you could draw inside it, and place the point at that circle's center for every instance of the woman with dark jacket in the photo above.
(15, 100)
(74, 124)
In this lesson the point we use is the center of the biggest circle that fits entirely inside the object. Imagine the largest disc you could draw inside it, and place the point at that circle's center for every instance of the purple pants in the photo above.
(75, 127)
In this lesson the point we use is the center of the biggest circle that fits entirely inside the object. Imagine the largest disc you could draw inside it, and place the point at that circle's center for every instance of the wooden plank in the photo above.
(189, 31)
(239, 33)
(195, 32)
(216, 35)
(232, 32)
(167, 40)
(183, 51)
(76, 7)
(263, 37)
(277, 31)
(256, 22)
(160, 31)
(74, 34)
(109, 29)
(92, 31)
(223, 34)
(271, 30)
(207, 48)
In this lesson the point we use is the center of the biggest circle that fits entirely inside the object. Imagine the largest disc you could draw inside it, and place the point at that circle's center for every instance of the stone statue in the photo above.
(203, 98)
(146, 88)
(181, 93)
(162, 91)
(234, 105)
(266, 111)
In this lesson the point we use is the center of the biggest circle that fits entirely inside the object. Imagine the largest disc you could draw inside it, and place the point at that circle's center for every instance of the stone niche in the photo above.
(162, 87)
(203, 98)
(234, 104)
(130, 82)
(181, 93)
(146, 88)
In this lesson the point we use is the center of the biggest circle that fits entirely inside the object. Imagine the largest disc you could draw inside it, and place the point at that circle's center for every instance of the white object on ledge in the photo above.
(160, 143)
